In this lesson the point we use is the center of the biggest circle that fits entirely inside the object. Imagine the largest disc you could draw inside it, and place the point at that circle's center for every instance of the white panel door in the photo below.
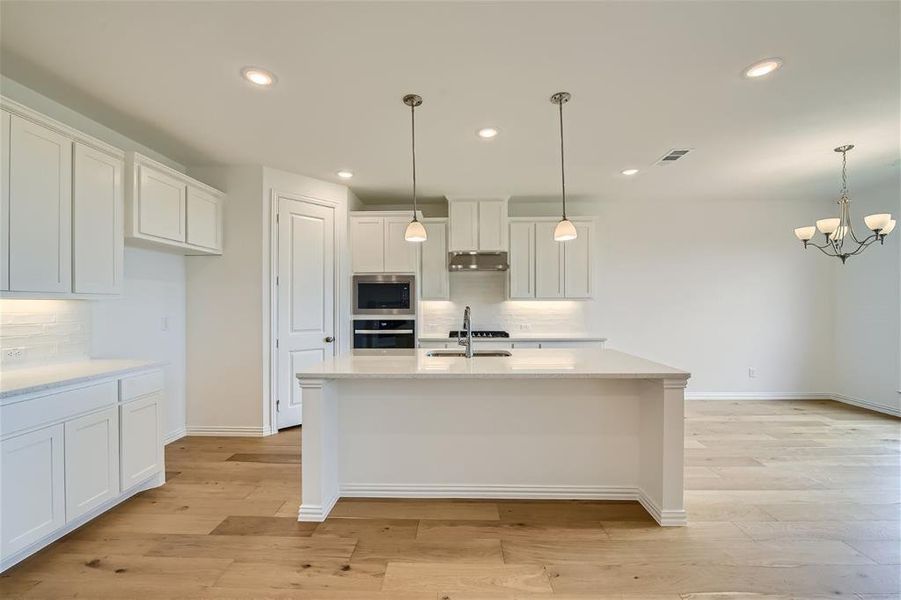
(306, 297)
(434, 282)
(548, 262)
(40, 209)
(577, 263)
(161, 205)
(400, 255)
(32, 487)
(140, 441)
(97, 229)
(204, 219)
(367, 243)
(463, 217)
(522, 260)
(492, 225)
(4, 200)
(92, 461)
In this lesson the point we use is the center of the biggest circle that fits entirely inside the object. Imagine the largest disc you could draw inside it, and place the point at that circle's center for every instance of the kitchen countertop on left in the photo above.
(24, 380)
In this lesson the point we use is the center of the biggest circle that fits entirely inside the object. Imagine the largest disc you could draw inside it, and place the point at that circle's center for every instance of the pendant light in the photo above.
(415, 232)
(565, 230)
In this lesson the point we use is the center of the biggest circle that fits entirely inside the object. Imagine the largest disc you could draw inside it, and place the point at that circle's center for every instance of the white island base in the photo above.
(541, 424)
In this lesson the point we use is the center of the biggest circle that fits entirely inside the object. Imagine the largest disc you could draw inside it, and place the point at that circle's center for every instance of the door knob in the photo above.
(328, 339)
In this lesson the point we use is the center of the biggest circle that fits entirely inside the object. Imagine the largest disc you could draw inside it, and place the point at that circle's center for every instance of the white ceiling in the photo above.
(645, 77)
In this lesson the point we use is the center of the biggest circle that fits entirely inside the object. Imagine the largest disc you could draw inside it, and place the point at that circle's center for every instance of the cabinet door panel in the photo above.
(548, 262)
(161, 205)
(98, 236)
(367, 241)
(463, 216)
(493, 225)
(434, 282)
(4, 200)
(40, 209)
(32, 489)
(204, 220)
(92, 461)
(522, 260)
(141, 440)
(400, 255)
(578, 265)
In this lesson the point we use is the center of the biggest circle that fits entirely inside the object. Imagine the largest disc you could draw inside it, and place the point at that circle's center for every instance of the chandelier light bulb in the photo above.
(877, 222)
(827, 226)
(805, 234)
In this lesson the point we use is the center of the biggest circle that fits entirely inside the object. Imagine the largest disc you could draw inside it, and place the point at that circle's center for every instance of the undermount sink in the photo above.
(462, 354)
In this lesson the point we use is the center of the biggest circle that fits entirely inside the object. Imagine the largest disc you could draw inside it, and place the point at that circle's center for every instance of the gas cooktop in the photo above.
(481, 334)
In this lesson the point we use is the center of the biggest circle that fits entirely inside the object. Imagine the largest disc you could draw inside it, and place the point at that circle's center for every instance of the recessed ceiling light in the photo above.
(630, 171)
(764, 67)
(345, 174)
(259, 77)
(487, 133)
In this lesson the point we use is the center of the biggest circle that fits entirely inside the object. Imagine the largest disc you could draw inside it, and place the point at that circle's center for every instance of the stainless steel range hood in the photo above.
(477, 261)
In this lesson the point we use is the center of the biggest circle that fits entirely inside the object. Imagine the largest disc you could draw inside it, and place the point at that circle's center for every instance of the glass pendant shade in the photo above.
(827, 226)
(889, 227)
(805, 233)
(415, 232)
(565, 231)
(877, 222)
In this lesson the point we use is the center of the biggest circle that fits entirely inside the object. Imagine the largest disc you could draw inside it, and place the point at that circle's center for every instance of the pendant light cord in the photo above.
(413, 144)
(562, 162)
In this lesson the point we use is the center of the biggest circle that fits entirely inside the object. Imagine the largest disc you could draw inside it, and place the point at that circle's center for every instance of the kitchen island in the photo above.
(549, 424)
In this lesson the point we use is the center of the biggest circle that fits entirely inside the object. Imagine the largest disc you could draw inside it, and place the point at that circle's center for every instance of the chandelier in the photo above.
(841, 242)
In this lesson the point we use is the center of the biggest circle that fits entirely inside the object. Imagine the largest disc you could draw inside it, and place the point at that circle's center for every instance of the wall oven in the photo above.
(374, 333)
(384, 295)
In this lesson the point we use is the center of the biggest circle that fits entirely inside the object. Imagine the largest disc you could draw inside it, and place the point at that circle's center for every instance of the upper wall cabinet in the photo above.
(434, 283)
(168, 209)
(477, 224)
(62, 204)
(546, 269)
(377, 242)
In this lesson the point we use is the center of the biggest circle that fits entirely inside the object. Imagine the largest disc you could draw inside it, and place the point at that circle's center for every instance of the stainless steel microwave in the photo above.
(384, 294)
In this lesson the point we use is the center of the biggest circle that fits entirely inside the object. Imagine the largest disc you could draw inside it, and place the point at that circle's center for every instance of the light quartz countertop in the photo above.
(521, 337)
(585, 363)
(24, 380)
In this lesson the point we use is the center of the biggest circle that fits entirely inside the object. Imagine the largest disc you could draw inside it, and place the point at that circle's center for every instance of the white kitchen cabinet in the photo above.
(477, 224)
(167, 209)
(4, 199)
(32, 487)
(548, 262)
(378, 245)
(40, 208)
(204, 219)
(434, 276)
(92, 461)
(577, 262)
(522, 260)
(97, 228)
(141, 454)
(400, 255)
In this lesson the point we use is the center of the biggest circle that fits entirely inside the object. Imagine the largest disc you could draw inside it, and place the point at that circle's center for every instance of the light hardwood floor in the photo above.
(785, 499)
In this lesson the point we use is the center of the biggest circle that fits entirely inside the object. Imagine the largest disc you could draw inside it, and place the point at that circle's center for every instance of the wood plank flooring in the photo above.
(794, 499)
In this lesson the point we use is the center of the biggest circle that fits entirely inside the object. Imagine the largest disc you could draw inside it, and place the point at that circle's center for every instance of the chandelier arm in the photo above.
(824, 249)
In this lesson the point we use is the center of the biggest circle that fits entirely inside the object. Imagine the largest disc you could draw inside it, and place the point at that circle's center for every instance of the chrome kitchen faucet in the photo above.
(466, 340)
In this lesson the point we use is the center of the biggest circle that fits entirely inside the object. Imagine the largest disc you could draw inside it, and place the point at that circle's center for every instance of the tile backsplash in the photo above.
(43, 331)
(486, 293)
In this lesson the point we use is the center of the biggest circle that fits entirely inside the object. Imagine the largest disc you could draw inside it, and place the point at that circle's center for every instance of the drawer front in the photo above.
(54, 407)
(140, 385)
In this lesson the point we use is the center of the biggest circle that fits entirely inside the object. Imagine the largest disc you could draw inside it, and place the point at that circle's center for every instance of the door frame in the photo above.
(274, 197)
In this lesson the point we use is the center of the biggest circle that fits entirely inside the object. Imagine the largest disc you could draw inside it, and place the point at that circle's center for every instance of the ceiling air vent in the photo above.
(673, 155)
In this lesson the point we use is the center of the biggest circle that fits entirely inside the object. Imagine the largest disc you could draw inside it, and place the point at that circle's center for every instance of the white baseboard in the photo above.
(665, 518)
(226, 430)
(757, 396)
(888, 410)
(173, 436)
(316, 512)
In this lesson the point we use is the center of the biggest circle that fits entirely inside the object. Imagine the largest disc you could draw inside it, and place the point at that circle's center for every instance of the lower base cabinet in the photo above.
(32, 487)
(142, 452)
(92, 461)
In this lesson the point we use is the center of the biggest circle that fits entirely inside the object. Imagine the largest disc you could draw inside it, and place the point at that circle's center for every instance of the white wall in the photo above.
(867, 318)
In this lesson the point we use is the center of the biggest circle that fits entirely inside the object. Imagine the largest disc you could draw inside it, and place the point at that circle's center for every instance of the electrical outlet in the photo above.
(752, 372)
(525, 327)
(11, 355)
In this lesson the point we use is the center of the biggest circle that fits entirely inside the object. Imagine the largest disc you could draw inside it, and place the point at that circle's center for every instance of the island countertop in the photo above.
(563, 363)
